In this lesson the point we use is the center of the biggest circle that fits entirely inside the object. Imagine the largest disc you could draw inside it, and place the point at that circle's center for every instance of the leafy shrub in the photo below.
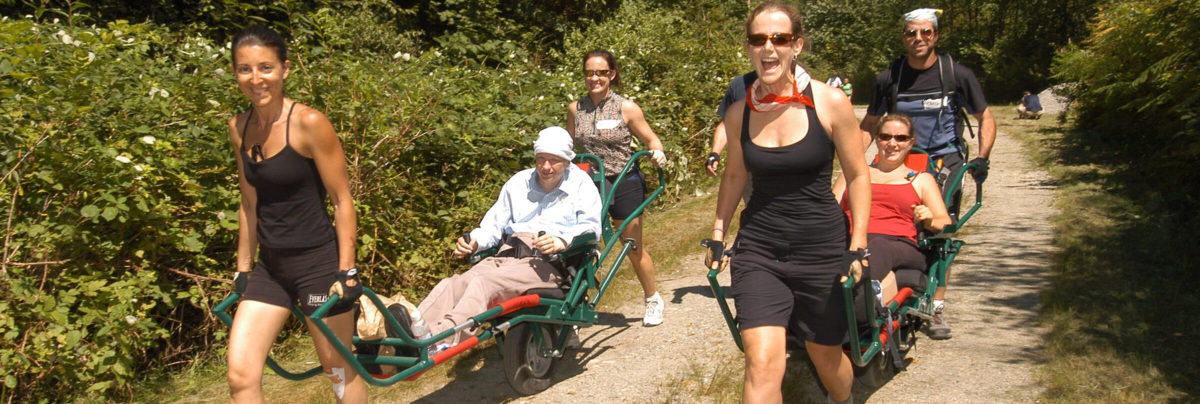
(116, 175)
(676, 63)
(1136, 96)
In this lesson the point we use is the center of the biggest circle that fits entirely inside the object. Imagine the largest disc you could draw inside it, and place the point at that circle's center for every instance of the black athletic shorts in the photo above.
(630, 194)
(893, 253)
(791, 294)
(285, 276)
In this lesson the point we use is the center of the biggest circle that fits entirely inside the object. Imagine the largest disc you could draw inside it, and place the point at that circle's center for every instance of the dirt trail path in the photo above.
(990, 359)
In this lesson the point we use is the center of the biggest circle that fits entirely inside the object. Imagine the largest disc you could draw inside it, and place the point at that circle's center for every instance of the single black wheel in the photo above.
(877, 372)
(528, 362)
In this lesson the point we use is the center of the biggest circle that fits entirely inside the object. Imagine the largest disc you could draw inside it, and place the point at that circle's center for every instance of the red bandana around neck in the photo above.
(774, 101)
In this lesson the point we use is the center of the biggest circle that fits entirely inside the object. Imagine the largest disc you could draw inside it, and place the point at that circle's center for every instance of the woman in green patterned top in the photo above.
(604, 123)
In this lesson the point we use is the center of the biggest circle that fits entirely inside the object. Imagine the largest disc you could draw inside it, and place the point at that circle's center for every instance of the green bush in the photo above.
(1135, 94)
(115, 177)
(677, 61)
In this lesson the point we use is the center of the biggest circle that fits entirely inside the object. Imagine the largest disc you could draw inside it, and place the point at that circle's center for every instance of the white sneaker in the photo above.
(654, 311)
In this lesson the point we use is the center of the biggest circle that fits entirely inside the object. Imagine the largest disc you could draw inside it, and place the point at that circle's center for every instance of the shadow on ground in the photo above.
(482, 371)
(1126, 278)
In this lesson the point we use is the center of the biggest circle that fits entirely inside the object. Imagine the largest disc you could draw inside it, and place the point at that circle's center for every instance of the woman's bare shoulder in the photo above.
(236, 123)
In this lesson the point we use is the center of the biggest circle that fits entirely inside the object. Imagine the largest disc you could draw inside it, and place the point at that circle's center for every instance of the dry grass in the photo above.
(720, 377)
(1120, 298)
(671, 233)
(717, 380)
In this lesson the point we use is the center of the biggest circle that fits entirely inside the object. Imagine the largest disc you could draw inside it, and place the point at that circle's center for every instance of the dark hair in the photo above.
(791, 11)
(612, 64)
(258, 35)
(897, 118)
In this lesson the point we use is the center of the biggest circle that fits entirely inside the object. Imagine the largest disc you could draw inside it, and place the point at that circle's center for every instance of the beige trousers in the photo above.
(493, 280)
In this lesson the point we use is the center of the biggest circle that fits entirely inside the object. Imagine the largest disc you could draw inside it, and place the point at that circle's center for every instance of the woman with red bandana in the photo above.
(791, 252)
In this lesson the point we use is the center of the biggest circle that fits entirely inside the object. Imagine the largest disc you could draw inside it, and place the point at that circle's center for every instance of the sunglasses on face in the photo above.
(911, 33)
(596, 73)
(900, 137)
(779, 39)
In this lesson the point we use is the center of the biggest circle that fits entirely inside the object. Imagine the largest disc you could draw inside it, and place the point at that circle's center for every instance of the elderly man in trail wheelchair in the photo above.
(539, 211)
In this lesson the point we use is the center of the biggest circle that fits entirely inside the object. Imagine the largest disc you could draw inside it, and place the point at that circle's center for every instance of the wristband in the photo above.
(240, 281)
(352, 273)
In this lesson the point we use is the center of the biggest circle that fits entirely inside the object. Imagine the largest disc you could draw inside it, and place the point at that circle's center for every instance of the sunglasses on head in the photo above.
(909, 33)
(900, 137)
(779, 39)
(596, 73)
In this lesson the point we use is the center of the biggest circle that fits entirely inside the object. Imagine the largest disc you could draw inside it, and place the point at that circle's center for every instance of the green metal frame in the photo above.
(222, 312)
(575, 309)
(862, 350)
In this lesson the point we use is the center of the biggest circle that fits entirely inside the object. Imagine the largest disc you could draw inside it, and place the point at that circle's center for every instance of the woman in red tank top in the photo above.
(900, 198)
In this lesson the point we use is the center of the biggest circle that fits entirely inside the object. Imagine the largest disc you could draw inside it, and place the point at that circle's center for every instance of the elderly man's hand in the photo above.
(464, 248)
(548, 244)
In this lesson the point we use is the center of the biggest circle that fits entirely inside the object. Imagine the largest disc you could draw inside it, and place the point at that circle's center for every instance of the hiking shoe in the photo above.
(654, 311)
(939, 328)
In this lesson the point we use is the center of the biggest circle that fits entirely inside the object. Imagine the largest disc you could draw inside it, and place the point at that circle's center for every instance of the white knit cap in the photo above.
(555, 140)
(927, 14)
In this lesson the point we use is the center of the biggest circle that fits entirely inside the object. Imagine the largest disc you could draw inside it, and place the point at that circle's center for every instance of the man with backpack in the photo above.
(937, 94)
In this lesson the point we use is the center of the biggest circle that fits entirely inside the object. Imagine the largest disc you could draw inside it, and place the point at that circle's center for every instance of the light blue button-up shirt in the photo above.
(571, 209)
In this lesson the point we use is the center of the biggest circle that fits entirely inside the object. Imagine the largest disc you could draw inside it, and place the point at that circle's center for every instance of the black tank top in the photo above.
(291, 197)
(792, 203)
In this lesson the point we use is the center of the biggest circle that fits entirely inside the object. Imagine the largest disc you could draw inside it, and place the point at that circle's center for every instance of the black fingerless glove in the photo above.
(352, 287)
(240, 280)
(715, 249)
(855, 255)
(981, 168)
(712, 158)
